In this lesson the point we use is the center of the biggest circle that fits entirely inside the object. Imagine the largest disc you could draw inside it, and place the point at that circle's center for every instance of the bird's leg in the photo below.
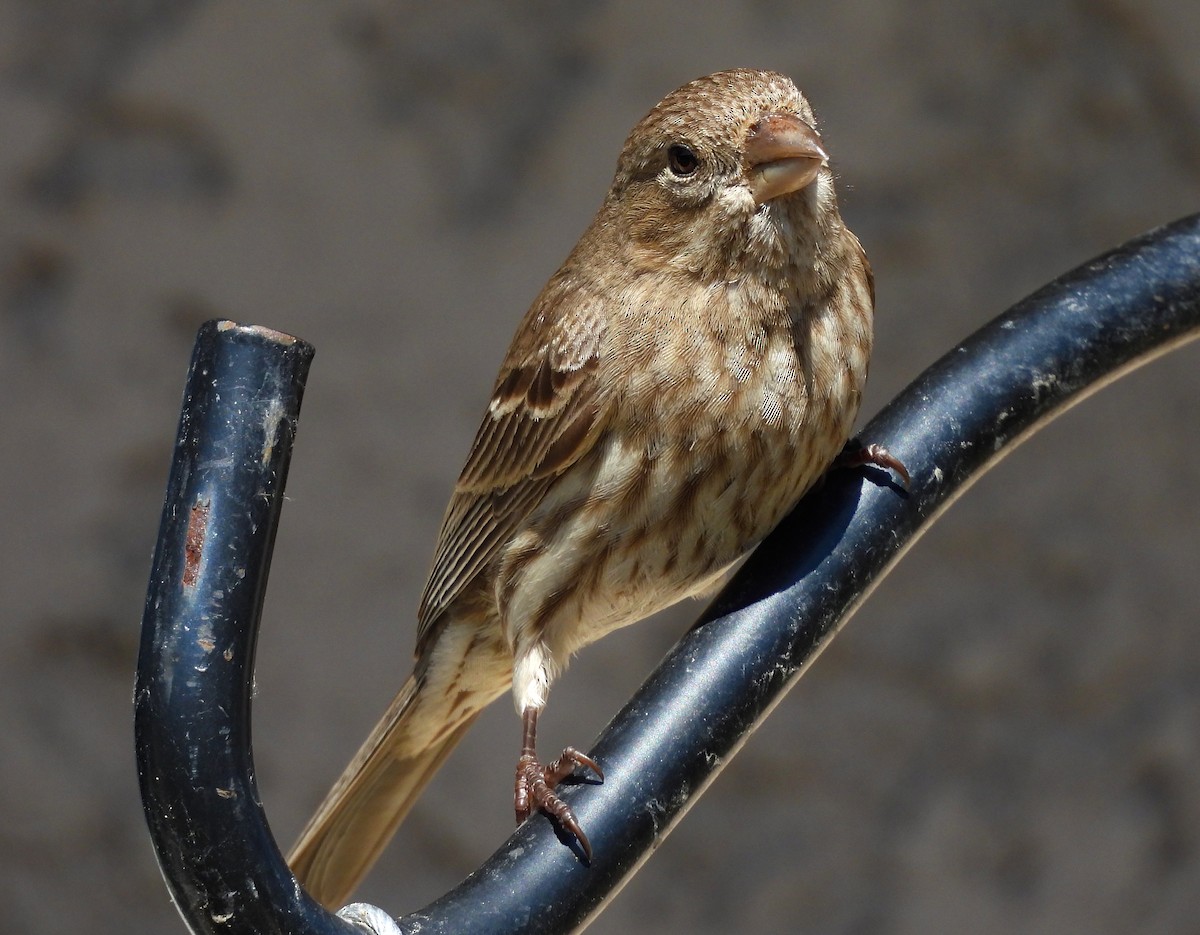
(535, 782)
(876, 455)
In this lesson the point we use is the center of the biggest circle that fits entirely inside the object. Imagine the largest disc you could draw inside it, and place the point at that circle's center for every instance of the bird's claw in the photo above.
(535, 790)
(877, 455)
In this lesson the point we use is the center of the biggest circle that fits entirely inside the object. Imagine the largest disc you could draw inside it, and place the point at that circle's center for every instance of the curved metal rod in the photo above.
(199, 629)
(953, 423)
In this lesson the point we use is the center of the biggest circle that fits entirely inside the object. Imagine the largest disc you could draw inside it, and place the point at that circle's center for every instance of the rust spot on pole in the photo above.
(193, 546)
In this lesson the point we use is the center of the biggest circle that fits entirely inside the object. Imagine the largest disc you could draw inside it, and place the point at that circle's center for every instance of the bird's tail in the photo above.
(360, 814)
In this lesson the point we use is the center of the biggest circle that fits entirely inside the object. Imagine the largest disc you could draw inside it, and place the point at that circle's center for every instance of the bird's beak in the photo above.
(783, 155)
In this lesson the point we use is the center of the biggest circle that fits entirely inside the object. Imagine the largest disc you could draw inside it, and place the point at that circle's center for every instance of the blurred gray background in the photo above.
(1005, 739)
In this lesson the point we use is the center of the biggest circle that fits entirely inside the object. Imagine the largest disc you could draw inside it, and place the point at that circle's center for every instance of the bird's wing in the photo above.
(546, 412)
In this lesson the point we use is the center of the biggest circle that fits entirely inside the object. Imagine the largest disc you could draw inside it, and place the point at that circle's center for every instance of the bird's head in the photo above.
(726, 167)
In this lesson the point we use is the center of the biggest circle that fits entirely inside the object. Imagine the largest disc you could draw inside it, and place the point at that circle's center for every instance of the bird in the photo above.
(694, 367)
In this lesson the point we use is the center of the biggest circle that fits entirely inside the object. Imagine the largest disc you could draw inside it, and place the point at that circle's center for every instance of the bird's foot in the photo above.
(876, 455)
(535, 790)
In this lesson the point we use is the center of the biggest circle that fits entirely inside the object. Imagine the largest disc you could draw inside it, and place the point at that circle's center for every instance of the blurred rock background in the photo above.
(1006, 739)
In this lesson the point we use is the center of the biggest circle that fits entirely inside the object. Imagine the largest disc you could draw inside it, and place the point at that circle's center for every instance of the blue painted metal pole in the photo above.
(954, 422)
(196, 665)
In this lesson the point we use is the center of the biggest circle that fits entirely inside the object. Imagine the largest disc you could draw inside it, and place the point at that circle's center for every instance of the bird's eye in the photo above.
(682, 160)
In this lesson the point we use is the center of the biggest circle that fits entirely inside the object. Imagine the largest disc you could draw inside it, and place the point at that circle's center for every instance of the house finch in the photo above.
(691, 370)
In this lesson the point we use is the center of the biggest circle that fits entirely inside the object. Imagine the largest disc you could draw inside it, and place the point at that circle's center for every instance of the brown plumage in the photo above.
(680, 382)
